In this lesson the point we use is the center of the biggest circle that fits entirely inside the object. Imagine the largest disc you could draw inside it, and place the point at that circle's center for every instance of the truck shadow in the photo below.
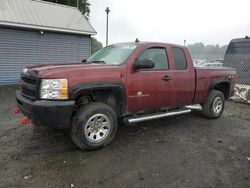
(153, 129)
(44, 141)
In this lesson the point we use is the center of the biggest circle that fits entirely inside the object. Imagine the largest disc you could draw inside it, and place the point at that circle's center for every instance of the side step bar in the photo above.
(157, 116)
(194, 107)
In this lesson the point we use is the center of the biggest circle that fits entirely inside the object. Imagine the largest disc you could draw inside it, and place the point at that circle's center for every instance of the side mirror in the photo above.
(84, 60)
(144, 64)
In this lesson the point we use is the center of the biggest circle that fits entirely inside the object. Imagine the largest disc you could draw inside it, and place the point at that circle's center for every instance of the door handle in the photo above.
(166, 78)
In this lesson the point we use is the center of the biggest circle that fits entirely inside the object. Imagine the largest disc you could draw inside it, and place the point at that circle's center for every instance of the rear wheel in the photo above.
(214, 105)
(94, 126)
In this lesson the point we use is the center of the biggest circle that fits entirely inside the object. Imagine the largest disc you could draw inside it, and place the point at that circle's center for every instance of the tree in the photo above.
(95, 45)
(223, 49)
(84, 5)
(197, 49)
(209, 52)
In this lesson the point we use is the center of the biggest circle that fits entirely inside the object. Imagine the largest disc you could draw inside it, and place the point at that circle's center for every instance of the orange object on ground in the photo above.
(17, 110)
(25, 121)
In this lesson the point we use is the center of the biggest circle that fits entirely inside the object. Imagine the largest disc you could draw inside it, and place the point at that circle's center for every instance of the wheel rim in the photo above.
(217, 105)
(97, 128)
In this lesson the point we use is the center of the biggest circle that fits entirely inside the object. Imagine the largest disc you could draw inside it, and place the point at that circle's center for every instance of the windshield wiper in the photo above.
(97, 61)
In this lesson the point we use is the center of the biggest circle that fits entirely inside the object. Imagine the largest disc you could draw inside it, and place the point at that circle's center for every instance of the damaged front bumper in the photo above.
(54, 114)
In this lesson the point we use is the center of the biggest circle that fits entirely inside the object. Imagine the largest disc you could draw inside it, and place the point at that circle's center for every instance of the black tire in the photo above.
(208, 108)
(83, 116)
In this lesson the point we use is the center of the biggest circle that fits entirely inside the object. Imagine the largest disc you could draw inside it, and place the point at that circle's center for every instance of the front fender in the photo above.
(115, 88)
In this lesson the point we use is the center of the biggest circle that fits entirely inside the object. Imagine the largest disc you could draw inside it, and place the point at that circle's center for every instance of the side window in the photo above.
(158, 55)
(180, 61)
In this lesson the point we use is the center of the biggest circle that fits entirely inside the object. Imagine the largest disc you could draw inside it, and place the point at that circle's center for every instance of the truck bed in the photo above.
(205, 77)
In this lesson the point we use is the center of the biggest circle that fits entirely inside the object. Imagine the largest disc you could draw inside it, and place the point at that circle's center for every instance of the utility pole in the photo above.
(185, 42)
(107, 25)
(77, 2)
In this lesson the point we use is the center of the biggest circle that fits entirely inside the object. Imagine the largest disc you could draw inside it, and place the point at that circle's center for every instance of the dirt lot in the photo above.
(185, 151)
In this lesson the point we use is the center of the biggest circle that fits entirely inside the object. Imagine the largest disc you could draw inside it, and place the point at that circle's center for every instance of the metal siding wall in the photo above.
(84, 48)
(20, 48)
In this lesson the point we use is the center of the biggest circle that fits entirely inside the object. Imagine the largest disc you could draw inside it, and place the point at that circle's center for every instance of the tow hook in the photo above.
(16, 110)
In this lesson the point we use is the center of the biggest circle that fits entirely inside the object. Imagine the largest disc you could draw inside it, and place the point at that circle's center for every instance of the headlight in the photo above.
(54, 89)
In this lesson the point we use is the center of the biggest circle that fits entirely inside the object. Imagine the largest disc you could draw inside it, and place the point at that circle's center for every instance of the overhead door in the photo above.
(21, 48)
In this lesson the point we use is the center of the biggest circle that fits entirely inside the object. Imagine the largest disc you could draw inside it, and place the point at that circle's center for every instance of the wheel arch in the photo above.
(113, 94)
(222, 85)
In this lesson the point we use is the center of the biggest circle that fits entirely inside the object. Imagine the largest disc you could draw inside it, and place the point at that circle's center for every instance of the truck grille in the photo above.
(28, 86)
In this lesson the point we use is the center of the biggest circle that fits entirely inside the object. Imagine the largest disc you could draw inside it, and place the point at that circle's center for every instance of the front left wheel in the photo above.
(94, 126)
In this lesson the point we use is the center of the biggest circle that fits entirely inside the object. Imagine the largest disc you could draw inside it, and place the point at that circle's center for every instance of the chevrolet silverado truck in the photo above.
(132, 82)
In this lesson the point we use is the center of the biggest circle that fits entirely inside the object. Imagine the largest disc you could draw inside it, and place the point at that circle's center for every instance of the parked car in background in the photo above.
(199, 62)
(208, 63)
(132, 82)
(215, 64)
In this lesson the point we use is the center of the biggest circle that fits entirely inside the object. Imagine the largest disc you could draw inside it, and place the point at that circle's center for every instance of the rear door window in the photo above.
(180, 61)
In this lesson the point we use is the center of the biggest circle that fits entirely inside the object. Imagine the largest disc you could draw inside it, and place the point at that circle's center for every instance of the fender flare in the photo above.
(221, 81)
(117, 87)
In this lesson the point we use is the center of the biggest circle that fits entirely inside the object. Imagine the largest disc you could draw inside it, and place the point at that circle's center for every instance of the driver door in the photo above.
(151, 89)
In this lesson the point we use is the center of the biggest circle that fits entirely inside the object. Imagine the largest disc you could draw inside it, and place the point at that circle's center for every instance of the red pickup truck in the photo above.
(132, 82)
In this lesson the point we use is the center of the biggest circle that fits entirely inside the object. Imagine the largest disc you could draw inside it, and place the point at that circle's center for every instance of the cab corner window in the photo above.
(158, 56)
(180, 61)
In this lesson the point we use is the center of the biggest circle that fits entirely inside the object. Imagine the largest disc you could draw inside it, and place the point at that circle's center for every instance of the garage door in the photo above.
(20, 48)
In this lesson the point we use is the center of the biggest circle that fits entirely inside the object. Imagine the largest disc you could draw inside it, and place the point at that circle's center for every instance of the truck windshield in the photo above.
(112, 55)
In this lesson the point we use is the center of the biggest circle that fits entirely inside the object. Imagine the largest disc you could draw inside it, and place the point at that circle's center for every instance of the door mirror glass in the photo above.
(144, 64)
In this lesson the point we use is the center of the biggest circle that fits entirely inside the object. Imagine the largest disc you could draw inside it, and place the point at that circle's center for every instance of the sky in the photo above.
(172, 21)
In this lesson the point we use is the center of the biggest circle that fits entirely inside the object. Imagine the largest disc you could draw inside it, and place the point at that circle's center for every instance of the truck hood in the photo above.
(78, 73)
(53, 68)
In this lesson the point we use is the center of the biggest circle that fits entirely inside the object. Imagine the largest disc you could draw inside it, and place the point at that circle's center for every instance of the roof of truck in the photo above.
(149, 43)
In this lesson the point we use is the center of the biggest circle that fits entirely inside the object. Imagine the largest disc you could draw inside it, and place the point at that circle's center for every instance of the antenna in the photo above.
(137, 40)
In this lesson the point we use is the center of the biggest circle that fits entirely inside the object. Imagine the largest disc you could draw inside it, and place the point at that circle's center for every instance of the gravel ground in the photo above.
(184, 151)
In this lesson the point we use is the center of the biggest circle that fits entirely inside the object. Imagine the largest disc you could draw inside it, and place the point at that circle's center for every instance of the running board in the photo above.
(194, 107)
(157, 116)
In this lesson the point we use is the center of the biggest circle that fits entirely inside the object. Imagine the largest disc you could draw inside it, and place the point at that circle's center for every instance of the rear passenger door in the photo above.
(183, 78)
